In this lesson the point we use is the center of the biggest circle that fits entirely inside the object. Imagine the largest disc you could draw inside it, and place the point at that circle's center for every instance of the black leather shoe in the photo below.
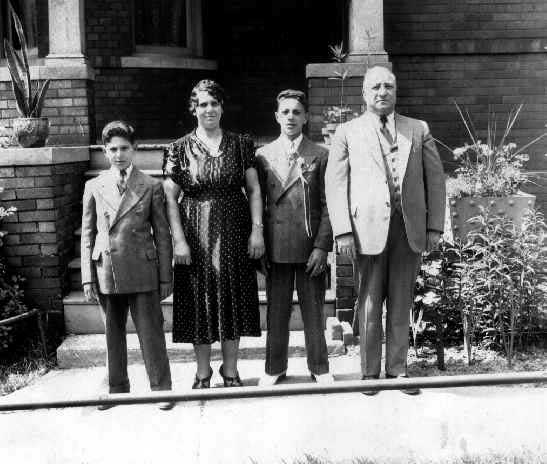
(166, 405)
(202, 383)
(230, 381)
(104, 407)
(370, 392)
(413, 391)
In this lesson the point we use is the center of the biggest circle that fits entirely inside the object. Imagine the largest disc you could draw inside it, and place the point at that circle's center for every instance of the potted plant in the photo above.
(490, 176)
(333, 116)
(30, 130)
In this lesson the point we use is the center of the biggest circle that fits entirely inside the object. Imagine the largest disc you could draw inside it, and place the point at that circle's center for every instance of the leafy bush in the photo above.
(490, 290)
(11, 292)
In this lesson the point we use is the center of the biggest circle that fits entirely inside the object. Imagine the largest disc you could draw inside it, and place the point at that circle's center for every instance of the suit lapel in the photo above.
(109, 193)
(371, 139)
(404, 142)
(295, 170)
(133, 193)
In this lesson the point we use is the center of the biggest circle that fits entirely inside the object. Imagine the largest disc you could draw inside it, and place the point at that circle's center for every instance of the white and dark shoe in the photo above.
(323, 379)
(270, 380)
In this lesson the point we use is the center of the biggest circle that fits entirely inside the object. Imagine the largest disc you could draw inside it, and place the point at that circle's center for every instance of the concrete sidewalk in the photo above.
(438, 424)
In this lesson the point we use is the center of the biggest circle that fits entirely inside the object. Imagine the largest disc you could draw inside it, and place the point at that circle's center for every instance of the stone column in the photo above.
(66, 33)
(366, 31)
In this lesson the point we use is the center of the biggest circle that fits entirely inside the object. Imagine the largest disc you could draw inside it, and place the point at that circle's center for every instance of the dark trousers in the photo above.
(390, 277)
(311, 297)
(148, 319)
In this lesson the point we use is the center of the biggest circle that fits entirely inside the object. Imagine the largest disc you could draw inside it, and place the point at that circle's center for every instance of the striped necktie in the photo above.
(385, 131)
(122, 181)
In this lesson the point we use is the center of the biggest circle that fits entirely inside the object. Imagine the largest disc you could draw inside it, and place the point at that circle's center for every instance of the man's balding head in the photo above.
(380, 90)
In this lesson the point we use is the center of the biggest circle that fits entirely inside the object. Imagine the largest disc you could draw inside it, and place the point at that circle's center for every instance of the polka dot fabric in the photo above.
(216, 297)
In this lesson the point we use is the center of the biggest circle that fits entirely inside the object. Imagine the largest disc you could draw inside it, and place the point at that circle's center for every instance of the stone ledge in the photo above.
(43, 156)
(41, 72)
(326, 70)
(166, 61)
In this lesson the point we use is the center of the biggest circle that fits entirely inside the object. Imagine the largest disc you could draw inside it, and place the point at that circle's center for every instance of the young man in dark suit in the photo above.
(126, 259)
(298, 237)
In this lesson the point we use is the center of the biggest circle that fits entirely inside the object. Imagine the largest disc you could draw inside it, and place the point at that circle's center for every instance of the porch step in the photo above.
(83, 317)
(89, 350)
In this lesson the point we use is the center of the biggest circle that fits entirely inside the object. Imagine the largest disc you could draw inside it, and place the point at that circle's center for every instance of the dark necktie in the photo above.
(122, 181)
(385, 131)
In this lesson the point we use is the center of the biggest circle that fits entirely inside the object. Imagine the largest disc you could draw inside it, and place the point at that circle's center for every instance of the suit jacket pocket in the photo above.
(151, 254)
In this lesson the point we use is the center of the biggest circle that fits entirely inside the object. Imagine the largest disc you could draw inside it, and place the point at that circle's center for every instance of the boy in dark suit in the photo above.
(126, 257)
(298, 237)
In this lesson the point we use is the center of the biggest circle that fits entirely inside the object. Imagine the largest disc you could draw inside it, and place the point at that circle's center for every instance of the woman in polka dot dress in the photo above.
(217, 232)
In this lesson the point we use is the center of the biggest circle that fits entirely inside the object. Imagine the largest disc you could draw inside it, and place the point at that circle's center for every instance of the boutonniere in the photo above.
(304, 167)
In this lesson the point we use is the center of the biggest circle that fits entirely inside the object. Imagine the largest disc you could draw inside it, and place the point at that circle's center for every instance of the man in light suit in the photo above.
(126, 255)
(298, 237)
(386, 198)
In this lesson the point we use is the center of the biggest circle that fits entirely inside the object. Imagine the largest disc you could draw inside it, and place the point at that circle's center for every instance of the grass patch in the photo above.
(520, 457)
(486, 361)
(21, 366)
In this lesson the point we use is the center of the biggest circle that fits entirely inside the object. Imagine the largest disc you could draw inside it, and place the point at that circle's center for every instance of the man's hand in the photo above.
(91, 293)
(317, 262)
(432, 240)
(346, 245)
(181, 253)
(165, 290)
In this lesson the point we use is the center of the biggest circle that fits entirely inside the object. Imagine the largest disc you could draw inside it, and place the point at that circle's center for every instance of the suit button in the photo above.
(387, 204)
(107, 252)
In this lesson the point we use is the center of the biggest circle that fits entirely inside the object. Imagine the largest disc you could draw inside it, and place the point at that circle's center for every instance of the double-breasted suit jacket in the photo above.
(356, 182)
(296, 219)
(126, 242)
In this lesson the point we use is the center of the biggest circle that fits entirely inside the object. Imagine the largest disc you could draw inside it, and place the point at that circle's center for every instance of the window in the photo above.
(170, 27)
(26, 10)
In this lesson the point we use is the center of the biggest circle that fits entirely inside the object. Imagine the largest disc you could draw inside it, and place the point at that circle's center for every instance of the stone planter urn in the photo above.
(31, 132)
(460, 210)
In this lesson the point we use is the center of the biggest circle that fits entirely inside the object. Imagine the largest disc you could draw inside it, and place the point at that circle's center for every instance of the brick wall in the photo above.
(109, 33)
(464, 26)
(67, 107)
(40, 241)
(155, 101)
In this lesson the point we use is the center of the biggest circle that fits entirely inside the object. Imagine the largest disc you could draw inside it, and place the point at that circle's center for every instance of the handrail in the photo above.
(353, 386)
(33, 312)
(19, 317)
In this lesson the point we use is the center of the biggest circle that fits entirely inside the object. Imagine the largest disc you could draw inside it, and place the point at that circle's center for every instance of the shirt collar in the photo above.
(287, 144)
(116, 172)
(390, 120)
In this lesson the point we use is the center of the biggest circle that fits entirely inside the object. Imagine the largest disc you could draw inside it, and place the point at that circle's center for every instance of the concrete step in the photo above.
(90, 350)
(83, 317)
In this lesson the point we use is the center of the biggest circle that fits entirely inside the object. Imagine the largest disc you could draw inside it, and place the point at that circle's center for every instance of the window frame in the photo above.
(194, 35)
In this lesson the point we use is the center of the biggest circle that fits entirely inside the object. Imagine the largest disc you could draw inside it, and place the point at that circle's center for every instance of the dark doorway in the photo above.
(263, 47)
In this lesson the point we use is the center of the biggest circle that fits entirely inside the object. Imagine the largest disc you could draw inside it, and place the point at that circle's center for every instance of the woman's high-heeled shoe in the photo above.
(230, 381)
(202, 383)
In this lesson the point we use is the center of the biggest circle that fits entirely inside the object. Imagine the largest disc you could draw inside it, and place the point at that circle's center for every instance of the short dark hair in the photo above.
(212, 88)
(296, 94)
(118, 129)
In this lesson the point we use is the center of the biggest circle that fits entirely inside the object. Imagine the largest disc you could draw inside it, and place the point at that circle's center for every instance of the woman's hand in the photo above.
(182, 253)
(256, 243)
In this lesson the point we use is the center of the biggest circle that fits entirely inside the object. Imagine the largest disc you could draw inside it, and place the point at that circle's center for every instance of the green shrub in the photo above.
(11, 292)
(490, 290)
